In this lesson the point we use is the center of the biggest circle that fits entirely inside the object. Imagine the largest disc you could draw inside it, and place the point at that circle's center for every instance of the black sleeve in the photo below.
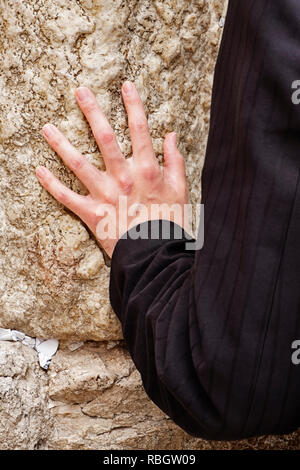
(150, 290)
(211, 331)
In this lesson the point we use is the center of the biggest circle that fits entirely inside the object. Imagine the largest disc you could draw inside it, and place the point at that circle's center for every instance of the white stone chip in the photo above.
(5, 335)
(75, 346)
(45, 349)
(221, 22)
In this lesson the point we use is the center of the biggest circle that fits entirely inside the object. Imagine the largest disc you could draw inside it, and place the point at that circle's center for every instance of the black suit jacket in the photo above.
(211, 331)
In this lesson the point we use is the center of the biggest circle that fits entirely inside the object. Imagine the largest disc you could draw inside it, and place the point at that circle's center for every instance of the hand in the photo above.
(139, 179)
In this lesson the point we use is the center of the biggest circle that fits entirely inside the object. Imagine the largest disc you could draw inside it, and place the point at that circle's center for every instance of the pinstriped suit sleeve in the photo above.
(211, 331)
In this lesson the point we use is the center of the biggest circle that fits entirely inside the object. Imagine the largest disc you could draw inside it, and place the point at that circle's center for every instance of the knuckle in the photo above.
(149, 171)
(106, 137)
(132, 99)
(89, 105)
(125, 183)
(62, 196)
(77, 163)
(48, 182)
(140, 126)
(143, 149)
(56, 140)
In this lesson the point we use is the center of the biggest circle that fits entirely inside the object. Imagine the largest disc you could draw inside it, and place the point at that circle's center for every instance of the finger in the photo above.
(142, 147)
(87, 173)
(103, 133)
(73, 201)
(174, 165)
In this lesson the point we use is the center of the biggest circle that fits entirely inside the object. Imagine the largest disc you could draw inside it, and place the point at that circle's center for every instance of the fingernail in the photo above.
(82, 94)
(49, 130)
(127, 87)
(174, 138)
(40, 171)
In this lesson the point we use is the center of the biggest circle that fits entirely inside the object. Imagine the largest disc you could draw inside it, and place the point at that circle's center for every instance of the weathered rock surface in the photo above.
(24, 415)
(91, 398)
(53, 275)
(98, 402)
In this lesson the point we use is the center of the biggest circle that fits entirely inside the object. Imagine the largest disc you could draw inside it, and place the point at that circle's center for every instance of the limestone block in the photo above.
(25, 422)
(91, 398)
(97, 401)
(114, 412)
(53, 275)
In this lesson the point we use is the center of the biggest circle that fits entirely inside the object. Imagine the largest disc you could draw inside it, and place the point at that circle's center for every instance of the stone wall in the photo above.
(53, 275)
